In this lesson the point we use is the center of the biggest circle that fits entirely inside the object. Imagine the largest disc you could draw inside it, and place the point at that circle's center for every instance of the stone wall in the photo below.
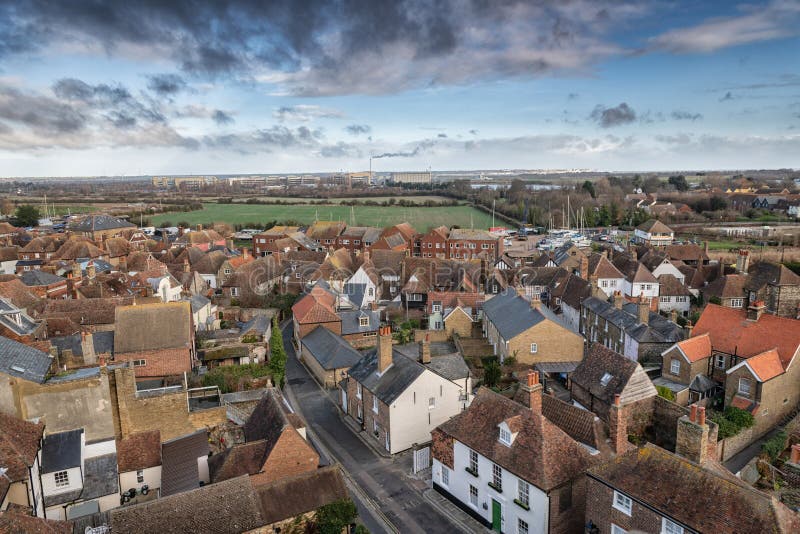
(732, 445)
(433, 335)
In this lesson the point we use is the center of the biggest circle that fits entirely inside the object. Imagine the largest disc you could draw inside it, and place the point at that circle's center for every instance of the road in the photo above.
(384, 480)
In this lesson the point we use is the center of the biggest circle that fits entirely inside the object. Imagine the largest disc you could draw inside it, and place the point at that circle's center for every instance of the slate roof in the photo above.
(695, 496)
(512, 314)
(393, 382)
(731, 332)
(103, 343)
(61, 451)
(198, 302)
(23, 361)
(139, 451)
(228, 507)
(100, 476)
(601, 361)
(658, 329)
(351, 321)
(330, 350)
(152, 327)
(179, 471)
(542, 454)
(26, 324)
(290, 497)
(446, 361)
(101, 222)
(40, 278)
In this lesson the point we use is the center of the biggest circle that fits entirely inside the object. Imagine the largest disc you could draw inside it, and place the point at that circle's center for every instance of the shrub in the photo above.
(774, 446)
(334, 517)
(491, 373)
(665, 392)
(277, 357)
(740, 418)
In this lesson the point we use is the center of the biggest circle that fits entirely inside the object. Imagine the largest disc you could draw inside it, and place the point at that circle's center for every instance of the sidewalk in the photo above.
(362, 435)
(465, 522)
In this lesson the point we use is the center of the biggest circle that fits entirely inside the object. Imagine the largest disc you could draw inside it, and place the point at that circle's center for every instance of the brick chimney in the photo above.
(246, 253)
(794, 457)
(755, 310)
(384, 349)
(644, 310)
(77, 274)
(691, 440)
(673, 316)
(533, 388)
(536, 302)
(123, 264)
(87, 346)
(618, 426)
(634, 254)
(425, 350)
(743, 261)
(689, 327)
(584, 268)
(91, 271)
(199, 227)
(619, 300)
(180, 233)
(186, 268)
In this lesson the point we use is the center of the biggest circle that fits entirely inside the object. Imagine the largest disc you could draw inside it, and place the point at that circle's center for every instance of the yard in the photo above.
(380, 216)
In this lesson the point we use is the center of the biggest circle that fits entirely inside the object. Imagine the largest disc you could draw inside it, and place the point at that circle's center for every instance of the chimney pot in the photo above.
(616, 399)
(795, 454)
(701, 415)
(533, 378)
(693, 413)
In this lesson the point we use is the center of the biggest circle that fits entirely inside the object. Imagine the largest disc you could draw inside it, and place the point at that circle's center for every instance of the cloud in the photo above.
(616, 116)
(358, 129)
(680, 115)
(166, 84)
(44, 116)
(778, 19)
(473, 132)
(573, 96)
(222, 118)
(442, 136)
(305, 113)
(726, 97)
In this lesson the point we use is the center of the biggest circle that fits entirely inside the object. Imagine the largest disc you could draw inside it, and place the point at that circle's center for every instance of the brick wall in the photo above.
(570, 518)
(158, 363)
(599, 510)
(306, 328)
(290, 456)
(458, 323)
(554, 344)
(433, 335)
(442, 447)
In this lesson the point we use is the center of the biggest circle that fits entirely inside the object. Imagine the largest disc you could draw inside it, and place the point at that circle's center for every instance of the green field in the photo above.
(410, 198)
(421, 218)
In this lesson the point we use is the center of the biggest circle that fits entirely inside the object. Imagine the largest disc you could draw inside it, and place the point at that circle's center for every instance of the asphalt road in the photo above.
(383, 480)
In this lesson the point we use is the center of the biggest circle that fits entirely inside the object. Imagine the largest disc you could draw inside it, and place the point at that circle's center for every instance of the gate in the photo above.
(422, 458)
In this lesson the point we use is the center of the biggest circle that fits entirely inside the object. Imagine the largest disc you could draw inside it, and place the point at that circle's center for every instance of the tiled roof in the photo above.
(19, 445)
(179, 470)
(316, 307)
(23, 361)
(669, 286)
(602, 267)
(654, 226)
(766, 365)
(542, 454)
(605, 373)
(726, 287)
(153, 326)
(731, 332)
(290, 497)
(764, 273)
(686, 253)
(228, 507)
(101, 222)
(472, 235)
(78, 248)
(17, 521)
(695, 496)
(696, 348)
(139, 451)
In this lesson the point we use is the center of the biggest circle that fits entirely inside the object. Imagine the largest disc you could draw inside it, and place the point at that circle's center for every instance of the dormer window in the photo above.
(505, 436)
(363, 321)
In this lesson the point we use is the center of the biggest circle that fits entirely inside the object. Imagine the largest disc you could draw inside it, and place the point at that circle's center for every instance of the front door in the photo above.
(496, 516)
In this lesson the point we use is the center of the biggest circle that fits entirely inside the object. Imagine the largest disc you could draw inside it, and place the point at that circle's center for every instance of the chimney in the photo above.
(691, 440)
(87, 346)
(689, 327)
(77, 274)
(366, 256)
(634, 254)
(593, 283)
(123, 264)
(180, 233)
(743, 261)
(619, 300)
(533, 388)
(186, 268)
(673, 316)
(199, 227)
(90, 270)
(425, 350)
(384, 349)
(794, 458)
(536, 302)
(618, 426)
(755, 310)
(604, 253)
(246, 253)
(644, 310)
(584, 268)
(705, 247)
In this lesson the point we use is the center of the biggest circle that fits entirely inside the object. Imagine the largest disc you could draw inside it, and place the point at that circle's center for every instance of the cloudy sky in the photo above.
(173, 86)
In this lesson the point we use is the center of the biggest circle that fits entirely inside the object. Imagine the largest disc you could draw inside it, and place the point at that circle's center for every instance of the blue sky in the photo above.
(313, 86)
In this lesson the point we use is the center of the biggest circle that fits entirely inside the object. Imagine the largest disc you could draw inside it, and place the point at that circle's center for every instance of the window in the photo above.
(523, 492)
(363, 321)
(445, 476)
(522, 527)
(497, 477)
(617, 530)
(227, 271)
(744, 387)
(62, 479)
(139, 363)
(473, 462)
(648, 287)
(664, 299)
(505, 436)
(668, 527)
(473, 496)
(604, 283)
(234, 291)
(371, 292)
(357, 242)
(375, 404)
(358, 390)
(534, 348)
(436, 308)
(675, 366)
(345, 241)
(375, 426)
(720, 361)
(432, 403)
(139, 476)
(737, 303)
(606, 379)
(485, 246)
(622, 503)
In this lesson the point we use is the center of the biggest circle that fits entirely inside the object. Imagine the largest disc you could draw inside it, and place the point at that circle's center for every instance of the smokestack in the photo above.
(689, 327)
(755, 310)
(619, 300)
(691, 440)
(743, 261)
(618, 426)
(90, 270)
(77, 274)
(384, 349)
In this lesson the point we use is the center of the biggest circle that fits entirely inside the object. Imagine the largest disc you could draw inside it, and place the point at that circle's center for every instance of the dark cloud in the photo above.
(358, 129)
(166, 84)
(222, 118)
(45, 116)
(680, 115)
(381, 47)
(340, 150)
(616, 116)
(573, 96)
(419, 148)
(442, 136)
(726, 97)
(474, 132)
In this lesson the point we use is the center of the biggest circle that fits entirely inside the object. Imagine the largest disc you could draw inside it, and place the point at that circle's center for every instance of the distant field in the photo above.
(421, 218)
(416, 199)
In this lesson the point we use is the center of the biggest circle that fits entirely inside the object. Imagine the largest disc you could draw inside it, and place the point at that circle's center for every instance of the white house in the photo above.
(608, 278)
(653, 233)
(139, 461)
(508, 466)
(400, 397)
(361, 289)
(78, 478)
(166, 287)
(673, 295)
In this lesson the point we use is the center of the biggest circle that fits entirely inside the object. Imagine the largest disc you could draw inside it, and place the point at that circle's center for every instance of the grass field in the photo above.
(421, 218)
(416, 199)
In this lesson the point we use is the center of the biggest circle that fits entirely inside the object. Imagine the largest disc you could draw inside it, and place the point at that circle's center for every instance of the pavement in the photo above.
(388, 498)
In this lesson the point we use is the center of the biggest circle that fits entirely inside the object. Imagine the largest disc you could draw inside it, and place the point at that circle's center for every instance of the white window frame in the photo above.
(363, 321)
(522, 526)
(473, 461)
(737, 303)
(670, 527)
(61, 478)
(623, 503)
(473, 496)
(139, 476)
(139, 363)
(431, 403)
(375, 404)
(358, 390)
(523, 492)
(534, 348)
(617, 529)
(746, 391)
(445, 477)
(675, 366)
(719, 361)
(497, 477)
(436, 308)
(505, 436)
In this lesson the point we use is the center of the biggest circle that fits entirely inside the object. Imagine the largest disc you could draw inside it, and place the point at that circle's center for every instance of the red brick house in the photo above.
(464, 244)
(316, 308)
(433, 244)
(262, 242)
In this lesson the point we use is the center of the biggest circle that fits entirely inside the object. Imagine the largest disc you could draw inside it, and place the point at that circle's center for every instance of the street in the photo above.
(383, 480)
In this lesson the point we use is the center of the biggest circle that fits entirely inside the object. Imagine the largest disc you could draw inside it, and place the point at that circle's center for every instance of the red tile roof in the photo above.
(766, 365)
(696, 348)
(139, 451)
(731, 332)
(19, 445)
(316, 307)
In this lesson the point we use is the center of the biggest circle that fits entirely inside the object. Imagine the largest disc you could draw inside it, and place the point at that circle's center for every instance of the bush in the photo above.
(774, 446)
(229, 378)
(334, 517)
(277, 356)
(666, 393)
(740, 418)
(491, 373)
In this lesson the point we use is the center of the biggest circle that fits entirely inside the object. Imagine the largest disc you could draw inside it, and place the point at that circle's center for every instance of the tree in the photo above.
(7, 207)
(588, 186)
(277, 354)
(679, 182)
(27, 215)
(334, 517)
(491, 373)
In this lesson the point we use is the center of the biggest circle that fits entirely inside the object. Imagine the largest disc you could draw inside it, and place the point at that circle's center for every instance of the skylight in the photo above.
(606, 379)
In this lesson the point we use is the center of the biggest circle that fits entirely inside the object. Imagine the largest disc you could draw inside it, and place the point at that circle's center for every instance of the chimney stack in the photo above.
(795, 454)
(634, 253)
(245, 253)
(673, 315)
(180, 233)
(743, 261)
(90, 270)
(384, 349)
(584, 268)
(533, 388)
(618, 426)
(691, 440)
(77, 274)
(755, 310)
(199, 227)
(536, 302)
(619, 300)
(689, 327)
(123, 264)
(644, 310)
(425, 350)
(186, 268)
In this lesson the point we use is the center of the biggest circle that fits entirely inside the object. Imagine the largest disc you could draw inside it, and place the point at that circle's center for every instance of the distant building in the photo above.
(653, 233)
(412, 177)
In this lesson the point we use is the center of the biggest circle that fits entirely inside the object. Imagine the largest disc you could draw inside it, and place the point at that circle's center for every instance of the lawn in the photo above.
(421, 218)
(410, 198)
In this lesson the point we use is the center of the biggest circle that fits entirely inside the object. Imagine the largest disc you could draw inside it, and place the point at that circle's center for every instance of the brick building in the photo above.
(464, 244)
(262, 242)
(433, 244)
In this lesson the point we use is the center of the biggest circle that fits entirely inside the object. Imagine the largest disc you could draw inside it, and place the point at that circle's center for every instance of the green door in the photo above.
(496, 516)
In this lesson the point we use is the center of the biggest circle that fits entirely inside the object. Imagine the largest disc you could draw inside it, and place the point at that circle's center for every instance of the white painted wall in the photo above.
(666, 267)
(370, 291)
(460, 481)
(609, 285)
(571, 317)
(49, 482)
(8, 267)
(645, 289)
(152, 477)
(410, 419)
(667, 304)
(631, 348)
(99, 448)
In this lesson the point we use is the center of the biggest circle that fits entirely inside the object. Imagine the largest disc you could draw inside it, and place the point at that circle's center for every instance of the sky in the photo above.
(186, 87)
